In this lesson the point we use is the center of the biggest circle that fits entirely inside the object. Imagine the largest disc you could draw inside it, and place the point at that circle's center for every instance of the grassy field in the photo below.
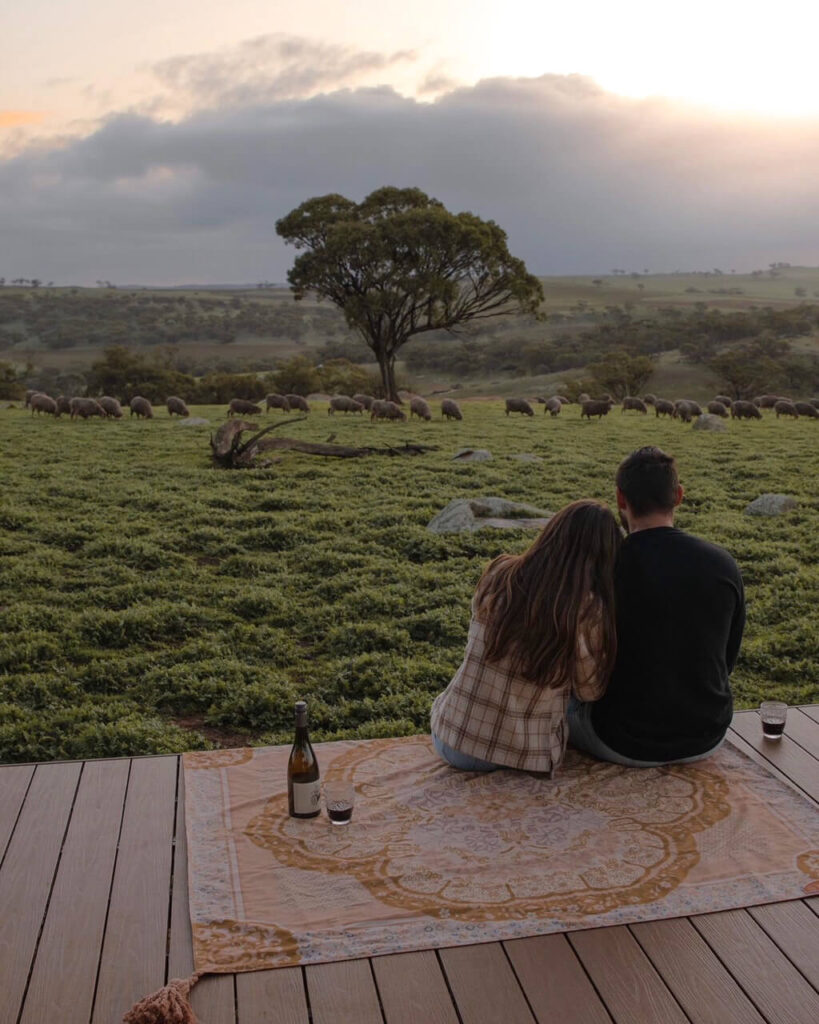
(151, 603)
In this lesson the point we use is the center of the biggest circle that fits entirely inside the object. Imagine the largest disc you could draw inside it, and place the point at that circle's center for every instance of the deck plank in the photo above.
(811, 710)
(484, 985)
(795, 929)
(556, 986)
(132, 964)
(28, 872)
(699, 982)
(14, 782)
(412, 988)
(768, 977)
(65, 972)
(343, 992)
(804, 730)
(272, 997)
(785, 754)
(213, 997)
(626, 979)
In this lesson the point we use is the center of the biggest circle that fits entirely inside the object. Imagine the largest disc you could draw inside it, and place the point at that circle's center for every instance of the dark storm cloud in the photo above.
(582, 181)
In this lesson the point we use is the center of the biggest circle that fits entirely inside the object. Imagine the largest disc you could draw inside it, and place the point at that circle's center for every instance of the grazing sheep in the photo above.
(43, 403)
(141, 407)
(662, 407)
(766, 401)
(807, 409)
(382, 410)
(419, 408)
(451, 410)
(63, 405)
(563, 399)
(583, 397)
(726, 401)
(341, 403)
(540, 399)
(598, 408)
(693, 407)
(276, 402)
(297, 402)
(782, 408)
(519, 405)
(718, 409)
(683, 411)
(553, 406)
(110, 407)
(241, 407)
(742, 410)
(85, 407)
(637, 404)
(649, 399)
(365, 400)
(176, 405)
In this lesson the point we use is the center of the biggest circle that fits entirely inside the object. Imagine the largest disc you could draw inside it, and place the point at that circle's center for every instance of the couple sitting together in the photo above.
(621, 647)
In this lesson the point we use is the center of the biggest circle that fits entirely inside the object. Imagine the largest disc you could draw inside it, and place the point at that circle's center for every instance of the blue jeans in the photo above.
(583, 737)
(465, 762)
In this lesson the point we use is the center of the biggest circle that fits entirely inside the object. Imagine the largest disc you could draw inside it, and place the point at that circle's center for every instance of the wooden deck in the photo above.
(94, 915)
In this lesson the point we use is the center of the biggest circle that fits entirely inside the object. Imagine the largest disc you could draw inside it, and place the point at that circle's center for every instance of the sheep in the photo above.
(451, 410)
(519, 405)
(693, 407)
(43, 403)
(726, 401)
(176, 405)
(562, 399)
(649, 399)
(766, 401)
(662, 407)
(637, 404)
(297, 402)
(807, 409)
(419, 408)
(276, 402)
(29, 395)
(583, 397)
(341, 403)
(553, 406)
(110, 406)
(685, 410)
(63, 405)
(241, 407)
(785, 408)
(141, 407)
(742, 410)
(383, 410)
(85, 407)
(598, 408)
(364, 399)
(718, 409)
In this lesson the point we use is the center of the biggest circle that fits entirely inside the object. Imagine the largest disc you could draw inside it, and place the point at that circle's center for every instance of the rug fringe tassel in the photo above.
(168, 1005)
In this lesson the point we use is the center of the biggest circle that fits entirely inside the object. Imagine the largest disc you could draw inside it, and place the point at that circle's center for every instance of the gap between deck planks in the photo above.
(58, 842)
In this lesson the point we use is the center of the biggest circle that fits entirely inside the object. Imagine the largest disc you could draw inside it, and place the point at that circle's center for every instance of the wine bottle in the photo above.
(303, 786)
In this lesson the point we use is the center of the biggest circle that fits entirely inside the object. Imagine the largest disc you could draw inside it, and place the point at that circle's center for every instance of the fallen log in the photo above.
(230, 452)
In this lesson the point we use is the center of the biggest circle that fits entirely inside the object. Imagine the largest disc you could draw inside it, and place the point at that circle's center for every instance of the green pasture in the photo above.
(151, 603)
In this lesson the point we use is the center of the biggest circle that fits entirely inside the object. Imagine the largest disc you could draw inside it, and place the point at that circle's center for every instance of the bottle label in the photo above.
(306, 797)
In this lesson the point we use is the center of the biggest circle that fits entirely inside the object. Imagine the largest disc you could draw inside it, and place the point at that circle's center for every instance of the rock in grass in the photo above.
(709, 422)
(472, 455)
(771, 505)
(465, 515)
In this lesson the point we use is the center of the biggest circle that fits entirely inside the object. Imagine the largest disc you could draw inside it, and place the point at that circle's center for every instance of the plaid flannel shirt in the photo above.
(489, 712)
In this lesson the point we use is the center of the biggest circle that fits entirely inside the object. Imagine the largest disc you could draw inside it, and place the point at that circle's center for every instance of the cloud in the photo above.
(269, 68)
(581, 180)
(17, 118)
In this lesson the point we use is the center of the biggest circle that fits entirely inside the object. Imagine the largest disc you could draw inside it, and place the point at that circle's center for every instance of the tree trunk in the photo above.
(386, 364)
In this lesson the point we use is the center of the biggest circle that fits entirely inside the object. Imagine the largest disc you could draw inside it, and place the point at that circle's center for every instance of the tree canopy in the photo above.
(400, 264)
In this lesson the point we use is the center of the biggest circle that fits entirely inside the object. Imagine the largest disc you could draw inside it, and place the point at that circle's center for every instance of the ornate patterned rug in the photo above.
(435, 857)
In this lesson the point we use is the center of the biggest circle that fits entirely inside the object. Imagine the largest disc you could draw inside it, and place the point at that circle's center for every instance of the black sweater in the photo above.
(680, 616)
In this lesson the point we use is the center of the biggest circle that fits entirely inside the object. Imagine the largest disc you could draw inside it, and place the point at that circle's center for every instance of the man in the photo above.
(680, 616)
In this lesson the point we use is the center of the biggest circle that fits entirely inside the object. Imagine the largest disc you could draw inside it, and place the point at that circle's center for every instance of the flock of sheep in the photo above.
(683, 409)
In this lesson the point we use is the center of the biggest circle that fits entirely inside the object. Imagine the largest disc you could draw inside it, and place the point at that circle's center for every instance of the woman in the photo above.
(542, 630)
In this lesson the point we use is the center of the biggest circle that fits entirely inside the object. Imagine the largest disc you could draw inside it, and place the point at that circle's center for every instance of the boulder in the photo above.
(465, 515)
(707, 421)
(770, 505)
(472, 455)
(193, 421)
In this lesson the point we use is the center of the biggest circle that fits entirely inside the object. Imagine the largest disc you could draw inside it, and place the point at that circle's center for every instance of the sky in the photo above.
(158, 143)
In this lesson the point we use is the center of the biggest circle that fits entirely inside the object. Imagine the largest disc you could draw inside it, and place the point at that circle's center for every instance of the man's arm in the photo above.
(737, 627)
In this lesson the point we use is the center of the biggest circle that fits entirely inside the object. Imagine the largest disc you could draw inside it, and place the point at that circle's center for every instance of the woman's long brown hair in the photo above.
(537, 604)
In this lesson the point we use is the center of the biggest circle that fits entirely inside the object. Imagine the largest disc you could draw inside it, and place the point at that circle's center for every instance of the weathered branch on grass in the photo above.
(230, 452)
